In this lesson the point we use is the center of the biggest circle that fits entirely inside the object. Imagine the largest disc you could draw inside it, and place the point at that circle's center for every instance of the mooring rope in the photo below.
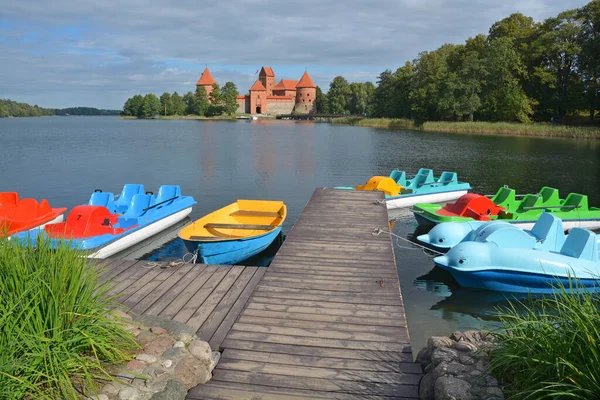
(173, 264)
(378, 231)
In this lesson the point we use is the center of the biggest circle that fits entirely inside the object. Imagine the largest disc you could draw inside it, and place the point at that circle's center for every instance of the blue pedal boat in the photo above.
(104, 227)
(522, 269)
(236, 232)
(401, 192)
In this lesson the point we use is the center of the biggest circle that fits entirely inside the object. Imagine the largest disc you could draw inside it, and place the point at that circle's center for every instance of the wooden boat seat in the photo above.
(210, 238)
(240, 226)
(250, 213)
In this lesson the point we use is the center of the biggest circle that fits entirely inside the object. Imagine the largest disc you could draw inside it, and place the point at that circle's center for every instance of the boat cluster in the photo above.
(506, 242)
(109, 224)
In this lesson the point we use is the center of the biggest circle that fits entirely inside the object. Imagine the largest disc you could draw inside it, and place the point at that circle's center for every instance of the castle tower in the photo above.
(267, 78)
(306, 92)
(258, 98)
(206, 81)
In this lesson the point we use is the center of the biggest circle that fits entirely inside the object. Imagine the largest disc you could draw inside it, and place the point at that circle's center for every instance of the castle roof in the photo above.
(258, 86)
(206, 79)
(286, 84)
(306, 82)
(267, 70)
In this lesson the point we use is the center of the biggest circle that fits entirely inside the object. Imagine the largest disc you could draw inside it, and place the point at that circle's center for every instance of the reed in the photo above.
(376, 122)
(56, 333)
(508, 128)
(550, 347)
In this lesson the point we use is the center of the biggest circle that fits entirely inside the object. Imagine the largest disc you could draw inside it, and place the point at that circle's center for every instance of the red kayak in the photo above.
(18, 215)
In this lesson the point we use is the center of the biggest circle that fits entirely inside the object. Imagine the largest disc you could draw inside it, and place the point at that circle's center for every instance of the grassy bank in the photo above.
(497, 128)
(227, 117)
(550, 348)
(56, 333)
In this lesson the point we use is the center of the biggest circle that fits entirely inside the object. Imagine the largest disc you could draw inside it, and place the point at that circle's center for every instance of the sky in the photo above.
(98, 53)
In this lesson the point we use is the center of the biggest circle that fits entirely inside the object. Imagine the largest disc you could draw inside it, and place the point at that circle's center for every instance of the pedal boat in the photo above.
(423, 187)
(19, 215)
(236, 232)
(104, 227)
(573, 211)
(485, 265)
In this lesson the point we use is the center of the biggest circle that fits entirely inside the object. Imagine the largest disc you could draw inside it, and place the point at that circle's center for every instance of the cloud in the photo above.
(83, 52)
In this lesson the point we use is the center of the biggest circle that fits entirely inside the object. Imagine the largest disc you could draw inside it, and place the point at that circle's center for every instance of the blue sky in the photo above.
(99, 53)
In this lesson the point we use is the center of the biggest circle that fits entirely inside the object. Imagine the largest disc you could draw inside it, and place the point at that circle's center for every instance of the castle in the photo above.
(266, 97)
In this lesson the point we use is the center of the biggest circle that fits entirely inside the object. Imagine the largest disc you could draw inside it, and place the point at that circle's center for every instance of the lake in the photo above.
(64, 159)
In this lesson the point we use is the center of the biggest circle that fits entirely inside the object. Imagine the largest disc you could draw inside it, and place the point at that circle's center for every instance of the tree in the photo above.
(321, 102)
(133, 106)
(589, 59)
(165, 104)
(177, 105)
(4, 111)
(339, 92)
(190, 102)
(229, 95)
(150, 106)
(214, 98)
(200, 103)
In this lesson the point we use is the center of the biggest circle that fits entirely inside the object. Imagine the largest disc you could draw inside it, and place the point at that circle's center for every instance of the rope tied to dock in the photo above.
(379, 201)
(425, 249)
(173, 264)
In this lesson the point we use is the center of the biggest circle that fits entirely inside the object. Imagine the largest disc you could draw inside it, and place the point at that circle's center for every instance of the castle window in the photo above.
(303, 100)
(308, 94)
(309, 100)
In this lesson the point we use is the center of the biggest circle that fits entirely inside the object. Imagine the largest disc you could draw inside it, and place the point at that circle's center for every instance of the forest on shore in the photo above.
(9, 108)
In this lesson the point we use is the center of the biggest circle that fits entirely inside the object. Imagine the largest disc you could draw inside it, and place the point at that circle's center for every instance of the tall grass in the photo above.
(56, 334)
(509, 128)
(550, 347)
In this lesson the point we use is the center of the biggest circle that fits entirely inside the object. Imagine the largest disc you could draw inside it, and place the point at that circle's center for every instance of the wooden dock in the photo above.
(324, 320)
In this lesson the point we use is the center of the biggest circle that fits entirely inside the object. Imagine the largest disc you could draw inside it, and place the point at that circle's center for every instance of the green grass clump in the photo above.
(513, 128)
(550, 347)
(56, 335)
(376, 122)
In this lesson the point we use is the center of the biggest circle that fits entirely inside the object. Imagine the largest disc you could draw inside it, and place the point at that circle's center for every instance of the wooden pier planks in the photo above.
(326, 320)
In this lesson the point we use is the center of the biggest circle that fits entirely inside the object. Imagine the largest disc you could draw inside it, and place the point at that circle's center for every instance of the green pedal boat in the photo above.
(504, 206)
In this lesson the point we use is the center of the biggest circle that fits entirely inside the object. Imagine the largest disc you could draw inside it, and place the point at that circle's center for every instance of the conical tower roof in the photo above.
(306, 82)
(258, 86)
(206, 78)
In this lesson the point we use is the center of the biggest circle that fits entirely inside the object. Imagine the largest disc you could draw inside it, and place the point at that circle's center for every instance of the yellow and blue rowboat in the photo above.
(236, 232)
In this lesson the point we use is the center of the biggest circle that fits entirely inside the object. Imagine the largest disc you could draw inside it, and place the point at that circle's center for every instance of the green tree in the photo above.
(360, 97)
(229, 95)
(177, 104)
(165, 104)
(150, 106)
(589, 59)
(190, 102)
(3, 110)
(216, 103)
(338, 95)
(321, 102)
(200, 104)
(133, 106)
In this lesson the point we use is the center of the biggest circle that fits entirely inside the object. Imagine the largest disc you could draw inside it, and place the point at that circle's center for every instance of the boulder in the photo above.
(192, 372)
(174, 390)
(451, 388)
(201, 350)
(426, 388)
(158, 346)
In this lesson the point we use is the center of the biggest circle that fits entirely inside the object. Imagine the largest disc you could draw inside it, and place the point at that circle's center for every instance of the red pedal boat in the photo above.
(18, 215)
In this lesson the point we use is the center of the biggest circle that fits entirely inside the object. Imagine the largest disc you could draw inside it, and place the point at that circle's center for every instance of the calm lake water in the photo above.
(64, 159)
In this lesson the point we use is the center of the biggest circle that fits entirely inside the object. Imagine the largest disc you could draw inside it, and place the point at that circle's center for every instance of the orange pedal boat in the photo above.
(18, 215)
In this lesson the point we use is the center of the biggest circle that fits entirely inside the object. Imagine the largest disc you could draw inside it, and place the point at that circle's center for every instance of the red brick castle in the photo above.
(266, 97)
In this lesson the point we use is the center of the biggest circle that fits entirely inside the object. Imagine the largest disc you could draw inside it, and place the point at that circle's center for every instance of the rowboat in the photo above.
(573, 210)
(104, 227)
(485, 265)
(235, 232)
(18, 215)
(423, 187)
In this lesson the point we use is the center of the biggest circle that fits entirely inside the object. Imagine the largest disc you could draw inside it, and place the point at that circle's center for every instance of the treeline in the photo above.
(218, 102)
(521, 70)
(85, 111)
(9, 108)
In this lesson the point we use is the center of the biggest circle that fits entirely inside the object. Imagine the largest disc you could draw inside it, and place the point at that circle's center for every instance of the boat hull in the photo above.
(138, 235)
(408, 200)
(229, 252)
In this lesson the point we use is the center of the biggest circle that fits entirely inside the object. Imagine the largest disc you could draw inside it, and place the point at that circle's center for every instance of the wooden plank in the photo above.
(198, 298)
(113, 273)
(225, 391)
(176, 290)
(324, 352)
(240, 226)
(374, 286)
(142, 278)
(399, 313)
(211, 302)
(221, 310)
(323, 362)
(400, 322)
(289, 293)
(219, 335)
(184, 297)
(149, 287)
(373, 278)
(320, 271)
(388, 330)
(328, 304)
(248, 213)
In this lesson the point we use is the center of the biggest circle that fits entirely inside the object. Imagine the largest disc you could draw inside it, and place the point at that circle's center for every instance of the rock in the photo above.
(185, 338)
(436, 342)
(128, 393)
(466, 360)
(167, 363)
(179, 343)
(443, 354)
(423, 357)
(174, 390)
(157, 330)
(476, 372)
(125, 376)
(480, 365)
(465, 346)
(495, 391)
(98, 397)
(122, 314)
(111, 388)
(215, 357)
(135, 365)
(491, 381)
(201, 350)
(426, 388)
(158, 372)
(451, 368)
(145, 337)
(158, 345)
(451, 388)
(172, 353)
(147, 358)
(192, 372)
